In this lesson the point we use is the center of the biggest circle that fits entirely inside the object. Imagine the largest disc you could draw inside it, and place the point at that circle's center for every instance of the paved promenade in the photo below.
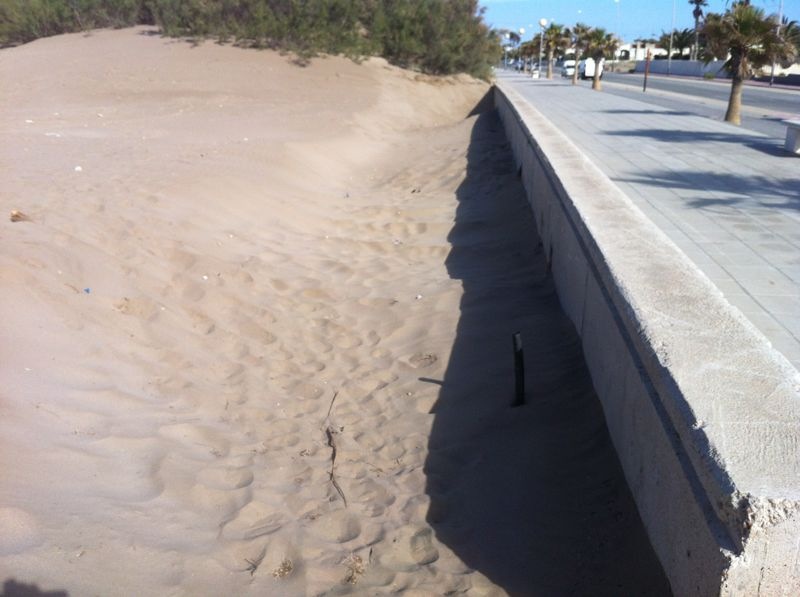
(729, 198)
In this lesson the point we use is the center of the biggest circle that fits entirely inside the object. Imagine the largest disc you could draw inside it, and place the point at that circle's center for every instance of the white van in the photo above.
(586, 68)
(567, 68)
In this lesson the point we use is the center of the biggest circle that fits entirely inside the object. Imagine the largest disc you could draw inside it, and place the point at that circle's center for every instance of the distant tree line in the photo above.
(434, 36)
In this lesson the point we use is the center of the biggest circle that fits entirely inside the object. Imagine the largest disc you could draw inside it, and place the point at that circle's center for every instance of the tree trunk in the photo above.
(596, 79)
(575, 72)
(734, 113)
(550, 63)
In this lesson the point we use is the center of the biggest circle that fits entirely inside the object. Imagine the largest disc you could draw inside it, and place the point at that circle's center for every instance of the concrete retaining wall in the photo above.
(704, 414)
(692, 68)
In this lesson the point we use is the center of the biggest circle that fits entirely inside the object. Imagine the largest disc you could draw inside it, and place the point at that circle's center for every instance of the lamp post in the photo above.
(619, 34)
(780, 22)
(671, 36)
(542, 24)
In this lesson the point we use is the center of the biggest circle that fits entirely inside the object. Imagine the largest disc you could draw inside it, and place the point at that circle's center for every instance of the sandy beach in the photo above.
(256, 338)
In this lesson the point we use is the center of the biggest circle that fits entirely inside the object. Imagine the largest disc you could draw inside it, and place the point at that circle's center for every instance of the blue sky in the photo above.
(630, 18)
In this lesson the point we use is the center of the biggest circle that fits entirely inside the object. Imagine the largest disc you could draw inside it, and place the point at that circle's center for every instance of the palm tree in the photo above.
(752, 40)
(681, 39)
(529, 49)
(556, 38)
(697, 13)
(580, 34)
(600, 44)
(790, 32)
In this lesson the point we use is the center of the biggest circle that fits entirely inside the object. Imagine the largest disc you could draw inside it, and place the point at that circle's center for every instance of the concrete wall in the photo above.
(692, 68)
(704, 415)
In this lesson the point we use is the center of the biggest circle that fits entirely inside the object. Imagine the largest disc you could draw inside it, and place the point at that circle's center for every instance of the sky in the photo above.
(629, 19)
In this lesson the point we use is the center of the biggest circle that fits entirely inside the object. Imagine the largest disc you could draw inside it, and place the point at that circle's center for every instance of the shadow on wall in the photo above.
(12, 588)
(532, 497)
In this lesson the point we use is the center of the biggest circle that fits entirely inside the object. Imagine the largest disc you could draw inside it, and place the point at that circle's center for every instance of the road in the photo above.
(763, 107)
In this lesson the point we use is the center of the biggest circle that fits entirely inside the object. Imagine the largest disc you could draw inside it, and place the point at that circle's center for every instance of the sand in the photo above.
(256, 324)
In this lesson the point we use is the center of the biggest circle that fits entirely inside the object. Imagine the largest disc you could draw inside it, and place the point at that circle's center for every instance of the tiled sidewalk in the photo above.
(729, 198)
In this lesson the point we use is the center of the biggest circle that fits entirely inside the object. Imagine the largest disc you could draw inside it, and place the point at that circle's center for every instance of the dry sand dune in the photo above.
(234, 273)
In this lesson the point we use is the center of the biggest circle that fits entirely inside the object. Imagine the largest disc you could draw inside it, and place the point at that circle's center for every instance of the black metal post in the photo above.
(519, 371)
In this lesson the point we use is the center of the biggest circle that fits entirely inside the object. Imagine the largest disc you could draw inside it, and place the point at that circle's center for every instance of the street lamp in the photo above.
(780, 22)
(671, 35)
(619, 34)
(542, 24)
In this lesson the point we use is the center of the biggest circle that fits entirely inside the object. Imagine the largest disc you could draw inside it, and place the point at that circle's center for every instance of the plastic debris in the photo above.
(78, 169)
(87, 290)
(418, 297)
(18, 216)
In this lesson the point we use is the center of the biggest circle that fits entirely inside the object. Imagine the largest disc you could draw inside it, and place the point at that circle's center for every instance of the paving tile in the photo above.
(733, 208)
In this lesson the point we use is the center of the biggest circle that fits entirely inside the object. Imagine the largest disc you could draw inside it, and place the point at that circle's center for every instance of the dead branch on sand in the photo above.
(329, 433)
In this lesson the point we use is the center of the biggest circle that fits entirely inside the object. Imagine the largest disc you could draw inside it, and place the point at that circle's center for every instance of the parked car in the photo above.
(568, 68)
(586, 68)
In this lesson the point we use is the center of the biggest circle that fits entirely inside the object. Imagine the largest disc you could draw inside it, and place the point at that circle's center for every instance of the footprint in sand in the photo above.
(198, 443)
(129, 467)
(252, 331)
(19, 531)
(410, 548)
(279, 284)
(219, 504)
(370, 496)
(142, 308)
(254, 520)
(202, 323)
(338, 526)
(279, 434)
(225, 477)
(347, 341)
(306, 391)
(422, 359)
(192, 291)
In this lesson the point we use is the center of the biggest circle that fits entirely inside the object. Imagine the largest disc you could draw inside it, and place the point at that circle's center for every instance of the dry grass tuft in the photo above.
(355, 569)
(285, 569)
